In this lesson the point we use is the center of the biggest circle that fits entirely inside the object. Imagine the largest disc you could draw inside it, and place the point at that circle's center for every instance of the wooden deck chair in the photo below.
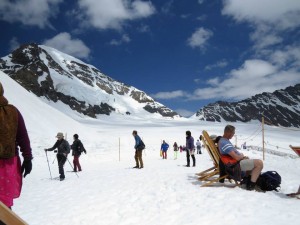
(7, 216)
(213, 170)
(296, 149)
(211, 175)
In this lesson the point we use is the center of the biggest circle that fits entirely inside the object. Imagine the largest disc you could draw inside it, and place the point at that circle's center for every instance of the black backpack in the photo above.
(141, 146)
(269, 181)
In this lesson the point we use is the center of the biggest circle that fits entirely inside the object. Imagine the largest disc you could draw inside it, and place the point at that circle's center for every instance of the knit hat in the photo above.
(75, 136)
(60, 134)
(1, 90)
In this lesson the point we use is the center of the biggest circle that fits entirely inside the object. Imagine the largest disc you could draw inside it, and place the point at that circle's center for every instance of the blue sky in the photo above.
(184, 53)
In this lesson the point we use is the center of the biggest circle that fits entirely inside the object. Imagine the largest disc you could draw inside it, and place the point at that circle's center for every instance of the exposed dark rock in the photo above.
(280, 108)
(35, 68)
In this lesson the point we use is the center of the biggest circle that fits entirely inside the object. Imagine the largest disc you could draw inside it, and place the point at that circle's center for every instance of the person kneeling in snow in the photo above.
(63, 149)
(234, 159)
(77, 149)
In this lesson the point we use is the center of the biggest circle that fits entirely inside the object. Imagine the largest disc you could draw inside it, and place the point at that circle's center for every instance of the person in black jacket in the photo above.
(77, 149)
(63, 149)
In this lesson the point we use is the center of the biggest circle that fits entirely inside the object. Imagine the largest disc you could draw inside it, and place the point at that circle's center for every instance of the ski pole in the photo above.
(72, 168)
(48, 164)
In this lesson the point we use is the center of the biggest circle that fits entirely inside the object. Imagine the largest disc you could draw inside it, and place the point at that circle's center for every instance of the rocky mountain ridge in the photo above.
(56, 76)
(280, 108)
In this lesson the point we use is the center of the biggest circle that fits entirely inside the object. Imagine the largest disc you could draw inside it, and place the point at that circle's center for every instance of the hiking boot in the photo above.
(187, 166)
(250, 186)
(61, 178)
(136, 167)
(141, 167)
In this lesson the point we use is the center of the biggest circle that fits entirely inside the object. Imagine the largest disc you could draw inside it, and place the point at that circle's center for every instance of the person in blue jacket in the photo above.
(138, 151)
(164, 148)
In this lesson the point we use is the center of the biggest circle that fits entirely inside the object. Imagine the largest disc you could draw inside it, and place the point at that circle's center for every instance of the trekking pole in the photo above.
(72, 168)
(48, 164)
(53, 160)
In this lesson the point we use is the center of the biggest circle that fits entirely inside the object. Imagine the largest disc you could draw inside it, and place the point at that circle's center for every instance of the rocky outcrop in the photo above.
(49, 73)
(281, 107)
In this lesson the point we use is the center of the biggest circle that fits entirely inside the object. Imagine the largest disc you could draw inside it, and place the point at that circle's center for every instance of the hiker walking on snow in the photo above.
(139, 146)
(164, 148)
(175, 146)
(198, 145)
(190, 148)
(63, 149)
(77, 148)
(13, 135)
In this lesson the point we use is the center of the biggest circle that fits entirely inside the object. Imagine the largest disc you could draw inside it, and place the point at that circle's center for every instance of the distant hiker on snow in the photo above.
(198, 146)
(190, 148)
(164, 148)
(230, 156)
(139, 146)
(77, 148)
(175, 147)
(63, 149)
(13, 134)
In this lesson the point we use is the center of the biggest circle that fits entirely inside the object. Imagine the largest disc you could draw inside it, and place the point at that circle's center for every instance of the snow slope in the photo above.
(109, 191)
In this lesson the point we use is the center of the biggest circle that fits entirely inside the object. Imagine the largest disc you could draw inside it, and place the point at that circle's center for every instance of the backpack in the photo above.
(269, 181)
(141, 146)
(8, 131)
(68, 147)
(80, 147)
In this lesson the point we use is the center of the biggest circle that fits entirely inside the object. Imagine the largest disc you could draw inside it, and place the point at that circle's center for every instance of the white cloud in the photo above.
(286, 57)
(167, 7)
(124, 39)
(144, 28)
(200, 1)
(269, 18)
(64, 42)
(13, 44)
(285, 14)
(199, 38)
(214, 81)
(170, 95)
(220, 64)
(255, 76)
(111, 14)
(29, 12)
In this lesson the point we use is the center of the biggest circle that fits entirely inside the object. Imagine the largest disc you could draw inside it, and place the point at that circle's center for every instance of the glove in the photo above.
(26, 166)
(46, 149)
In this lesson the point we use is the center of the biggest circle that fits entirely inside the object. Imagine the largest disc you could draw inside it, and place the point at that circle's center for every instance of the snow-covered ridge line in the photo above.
(281, 107)
(63, 79)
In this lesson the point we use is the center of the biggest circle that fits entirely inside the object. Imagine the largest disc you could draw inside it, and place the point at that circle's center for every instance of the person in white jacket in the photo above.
(198, 145)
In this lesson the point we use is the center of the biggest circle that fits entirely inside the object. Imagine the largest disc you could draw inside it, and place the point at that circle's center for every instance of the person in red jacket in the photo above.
(13, 127)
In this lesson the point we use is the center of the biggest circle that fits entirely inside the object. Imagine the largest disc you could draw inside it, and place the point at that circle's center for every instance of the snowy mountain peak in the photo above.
(281, 107)
(60, 78)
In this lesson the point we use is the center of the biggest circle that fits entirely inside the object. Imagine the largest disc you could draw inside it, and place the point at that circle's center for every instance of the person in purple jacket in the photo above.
(190, 148)
(13, 136)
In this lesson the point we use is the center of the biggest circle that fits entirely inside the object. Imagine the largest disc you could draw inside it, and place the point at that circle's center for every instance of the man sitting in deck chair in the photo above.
(234, 159)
